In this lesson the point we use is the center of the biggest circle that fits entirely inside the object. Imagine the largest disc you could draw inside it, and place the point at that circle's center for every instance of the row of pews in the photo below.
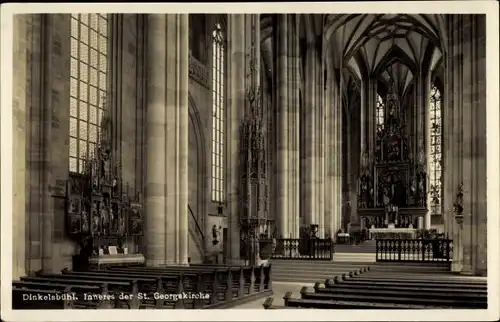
(171, 287)
(367, 288)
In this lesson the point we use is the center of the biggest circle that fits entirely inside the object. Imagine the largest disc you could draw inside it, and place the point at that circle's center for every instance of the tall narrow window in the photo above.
(380, 113)
(435, 144)
(218, 114)
(88, 84)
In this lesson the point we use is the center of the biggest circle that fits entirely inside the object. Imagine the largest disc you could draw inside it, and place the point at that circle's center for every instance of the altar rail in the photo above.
(307, 249)
(414, 250)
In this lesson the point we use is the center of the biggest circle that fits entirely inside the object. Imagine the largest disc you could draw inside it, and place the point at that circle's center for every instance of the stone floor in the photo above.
(279, 290)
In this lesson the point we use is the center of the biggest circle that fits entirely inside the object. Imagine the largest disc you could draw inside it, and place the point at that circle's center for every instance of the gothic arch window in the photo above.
(218, 114)
(88, 85)
(435, 155)
(380, 113)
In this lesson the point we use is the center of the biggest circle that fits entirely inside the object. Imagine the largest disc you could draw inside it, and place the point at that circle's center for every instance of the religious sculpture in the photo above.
(215, 234)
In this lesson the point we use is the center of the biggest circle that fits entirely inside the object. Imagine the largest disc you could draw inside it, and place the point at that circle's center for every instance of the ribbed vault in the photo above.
(379, 45)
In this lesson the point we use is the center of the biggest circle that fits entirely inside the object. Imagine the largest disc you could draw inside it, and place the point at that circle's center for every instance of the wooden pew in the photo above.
(151, 295)
(36, 299)
(405, 298)
(410, 278)
(114, 287)
(329, 304)
(259, 280)
(132, 296)
(224, 283)
(319, 288)
(408, 292)
(262, 271)
(413, 284)
(82, 292)
(213, 281)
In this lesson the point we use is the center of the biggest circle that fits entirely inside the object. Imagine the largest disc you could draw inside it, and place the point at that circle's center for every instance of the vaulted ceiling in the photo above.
(381, 45)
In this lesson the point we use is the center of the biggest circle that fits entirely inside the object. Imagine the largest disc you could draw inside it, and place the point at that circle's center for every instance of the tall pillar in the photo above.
(236, 100)
(371, 107)
(282, 128)
(466, 76)
(363, 116)
(294, 129)
(329, 187)
(19, 121)
(453, 154)
(167, 145)
(337, 98)
(473, 144)
(320, 139)
(156, 141)
(181, 107)
(308, 141)
(424, 82)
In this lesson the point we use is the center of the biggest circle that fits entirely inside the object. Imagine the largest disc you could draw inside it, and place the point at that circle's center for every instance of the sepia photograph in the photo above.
(263, 160)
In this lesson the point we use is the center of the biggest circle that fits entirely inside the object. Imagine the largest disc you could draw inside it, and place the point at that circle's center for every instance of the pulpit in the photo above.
(392, 184)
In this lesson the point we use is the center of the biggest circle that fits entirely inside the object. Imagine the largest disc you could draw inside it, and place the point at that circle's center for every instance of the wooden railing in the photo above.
(414, 250)
(295, 248)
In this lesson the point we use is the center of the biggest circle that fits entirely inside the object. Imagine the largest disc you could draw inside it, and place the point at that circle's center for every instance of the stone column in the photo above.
(424, 82)
(363, 116)
(294, 129)
(236, 101)
(156, 142)
(19, 121)
(473, 107)
(371, 101)
(329, 186)
(167, 145)
(453, 154)
(282, 128)
(181, 107)
(337, 166)
(308, 141)
(320, 137)
(333, 188)
(466, 78)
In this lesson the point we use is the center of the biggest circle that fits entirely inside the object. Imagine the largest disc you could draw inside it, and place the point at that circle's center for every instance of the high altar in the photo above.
(392, 185)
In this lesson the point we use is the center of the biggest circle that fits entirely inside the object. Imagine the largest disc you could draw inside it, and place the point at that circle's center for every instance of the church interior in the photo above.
(176, 141)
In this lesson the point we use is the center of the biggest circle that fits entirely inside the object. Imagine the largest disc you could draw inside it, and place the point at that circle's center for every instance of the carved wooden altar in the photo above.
(99, 206)
(392, 178)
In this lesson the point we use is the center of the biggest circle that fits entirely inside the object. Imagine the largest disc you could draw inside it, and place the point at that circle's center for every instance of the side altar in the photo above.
(392, 183)
(102, 217)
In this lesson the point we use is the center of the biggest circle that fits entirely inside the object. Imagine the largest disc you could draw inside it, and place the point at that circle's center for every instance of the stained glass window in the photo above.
(88, 84)
(435, 155)
(380, 113)
(218, 101)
